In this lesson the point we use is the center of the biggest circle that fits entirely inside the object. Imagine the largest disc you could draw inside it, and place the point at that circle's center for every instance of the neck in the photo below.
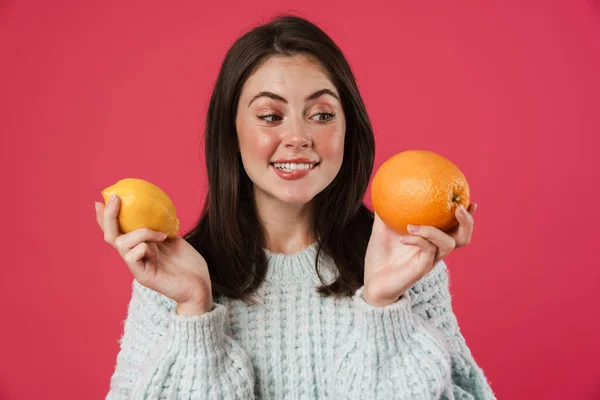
(288, 227)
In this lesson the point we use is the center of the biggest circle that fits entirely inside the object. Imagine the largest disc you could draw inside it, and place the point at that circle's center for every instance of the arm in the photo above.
(165, 354)
(432, 302)
(398, 351)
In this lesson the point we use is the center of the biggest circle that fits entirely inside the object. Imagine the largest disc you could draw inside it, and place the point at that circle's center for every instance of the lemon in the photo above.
(143, 205)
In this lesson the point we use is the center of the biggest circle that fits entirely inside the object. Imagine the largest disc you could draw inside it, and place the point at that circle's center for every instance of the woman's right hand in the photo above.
(170, 266)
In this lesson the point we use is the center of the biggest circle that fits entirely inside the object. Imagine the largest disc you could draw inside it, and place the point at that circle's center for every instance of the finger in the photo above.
(134, 259)
(99, 213)
(472, 208)
(444, 242)
(153, 250)
(110, 223)
(463, 234)
(126, 242)
(137, 253)
(428, 248)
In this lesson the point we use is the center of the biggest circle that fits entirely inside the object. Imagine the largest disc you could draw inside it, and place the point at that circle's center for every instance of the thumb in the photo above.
(381, 229)
(378, 223)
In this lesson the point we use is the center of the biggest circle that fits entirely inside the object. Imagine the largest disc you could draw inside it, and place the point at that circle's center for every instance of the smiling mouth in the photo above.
(291, 167)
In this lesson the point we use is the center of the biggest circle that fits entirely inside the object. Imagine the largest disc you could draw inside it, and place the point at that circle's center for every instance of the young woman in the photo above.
(289, 287)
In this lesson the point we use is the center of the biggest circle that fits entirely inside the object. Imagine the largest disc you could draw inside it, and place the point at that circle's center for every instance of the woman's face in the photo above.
(291, 127)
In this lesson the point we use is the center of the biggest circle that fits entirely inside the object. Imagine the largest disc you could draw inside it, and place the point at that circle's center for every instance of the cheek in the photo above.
(331, 144)
(256, 145)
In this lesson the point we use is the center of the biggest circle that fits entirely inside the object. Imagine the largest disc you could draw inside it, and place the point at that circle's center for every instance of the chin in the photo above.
(295, 199)
(286, 194)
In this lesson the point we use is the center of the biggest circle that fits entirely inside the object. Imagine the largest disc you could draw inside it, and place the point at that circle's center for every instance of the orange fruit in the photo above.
(419, 187)
(143, 205)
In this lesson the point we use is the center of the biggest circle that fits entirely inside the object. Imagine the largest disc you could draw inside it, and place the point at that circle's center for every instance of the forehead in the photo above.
(280, 73)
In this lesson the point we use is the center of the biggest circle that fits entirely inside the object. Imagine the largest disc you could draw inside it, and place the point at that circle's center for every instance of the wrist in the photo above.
(380, 301)
(194, 308)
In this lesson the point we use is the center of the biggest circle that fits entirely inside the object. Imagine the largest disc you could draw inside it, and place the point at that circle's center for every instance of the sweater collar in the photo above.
(299, 267)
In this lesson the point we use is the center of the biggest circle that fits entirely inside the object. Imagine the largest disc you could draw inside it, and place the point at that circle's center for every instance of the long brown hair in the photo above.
(229, 234)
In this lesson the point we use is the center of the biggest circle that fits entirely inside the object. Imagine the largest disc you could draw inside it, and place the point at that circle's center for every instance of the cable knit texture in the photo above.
(295, 344)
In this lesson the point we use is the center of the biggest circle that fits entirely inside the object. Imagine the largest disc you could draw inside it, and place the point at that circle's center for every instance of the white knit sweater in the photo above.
(296, 344)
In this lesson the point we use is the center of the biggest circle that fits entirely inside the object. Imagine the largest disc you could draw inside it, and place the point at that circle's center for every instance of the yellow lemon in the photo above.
(143, 205)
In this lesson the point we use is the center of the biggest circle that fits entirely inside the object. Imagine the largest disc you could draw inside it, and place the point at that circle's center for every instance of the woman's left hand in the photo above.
(395, 262)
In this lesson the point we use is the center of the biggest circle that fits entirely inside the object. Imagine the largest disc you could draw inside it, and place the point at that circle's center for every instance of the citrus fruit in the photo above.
(419, 187)
(143, 205)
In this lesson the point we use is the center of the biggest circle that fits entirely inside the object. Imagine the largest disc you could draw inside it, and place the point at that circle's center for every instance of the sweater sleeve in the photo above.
(432, 301)
(165, 355)
(409, 349)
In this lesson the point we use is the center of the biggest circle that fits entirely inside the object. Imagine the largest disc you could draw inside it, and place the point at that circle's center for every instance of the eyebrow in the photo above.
(277, 97)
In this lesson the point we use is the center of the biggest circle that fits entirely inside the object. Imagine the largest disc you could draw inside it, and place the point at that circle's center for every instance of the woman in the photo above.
(289, 287)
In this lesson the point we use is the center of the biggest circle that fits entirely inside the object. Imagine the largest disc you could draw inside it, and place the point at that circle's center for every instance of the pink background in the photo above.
(92, 92)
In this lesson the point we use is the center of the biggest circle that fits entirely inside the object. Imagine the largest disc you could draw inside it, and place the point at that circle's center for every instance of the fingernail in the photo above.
(474, 207)
(112, 199)
(462, 210)
(96, 206)
(413, 229)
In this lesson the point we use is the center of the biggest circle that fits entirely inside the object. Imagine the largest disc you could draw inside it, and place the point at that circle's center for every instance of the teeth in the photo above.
(289, 167)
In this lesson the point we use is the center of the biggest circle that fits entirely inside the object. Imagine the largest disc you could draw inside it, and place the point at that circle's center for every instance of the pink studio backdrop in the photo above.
(92, 92)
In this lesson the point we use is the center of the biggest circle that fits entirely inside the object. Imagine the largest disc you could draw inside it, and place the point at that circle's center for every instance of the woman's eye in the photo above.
(270, 118)
(324, 117)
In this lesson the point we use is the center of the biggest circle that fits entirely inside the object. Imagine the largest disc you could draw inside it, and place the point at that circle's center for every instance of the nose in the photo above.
(297, 137)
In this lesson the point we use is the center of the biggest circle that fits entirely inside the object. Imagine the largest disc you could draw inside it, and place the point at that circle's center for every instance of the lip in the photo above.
(296, 174)
(300, 160)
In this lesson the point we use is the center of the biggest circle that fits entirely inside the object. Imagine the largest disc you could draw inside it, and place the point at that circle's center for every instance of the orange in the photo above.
(143, 205)
(419, 187)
